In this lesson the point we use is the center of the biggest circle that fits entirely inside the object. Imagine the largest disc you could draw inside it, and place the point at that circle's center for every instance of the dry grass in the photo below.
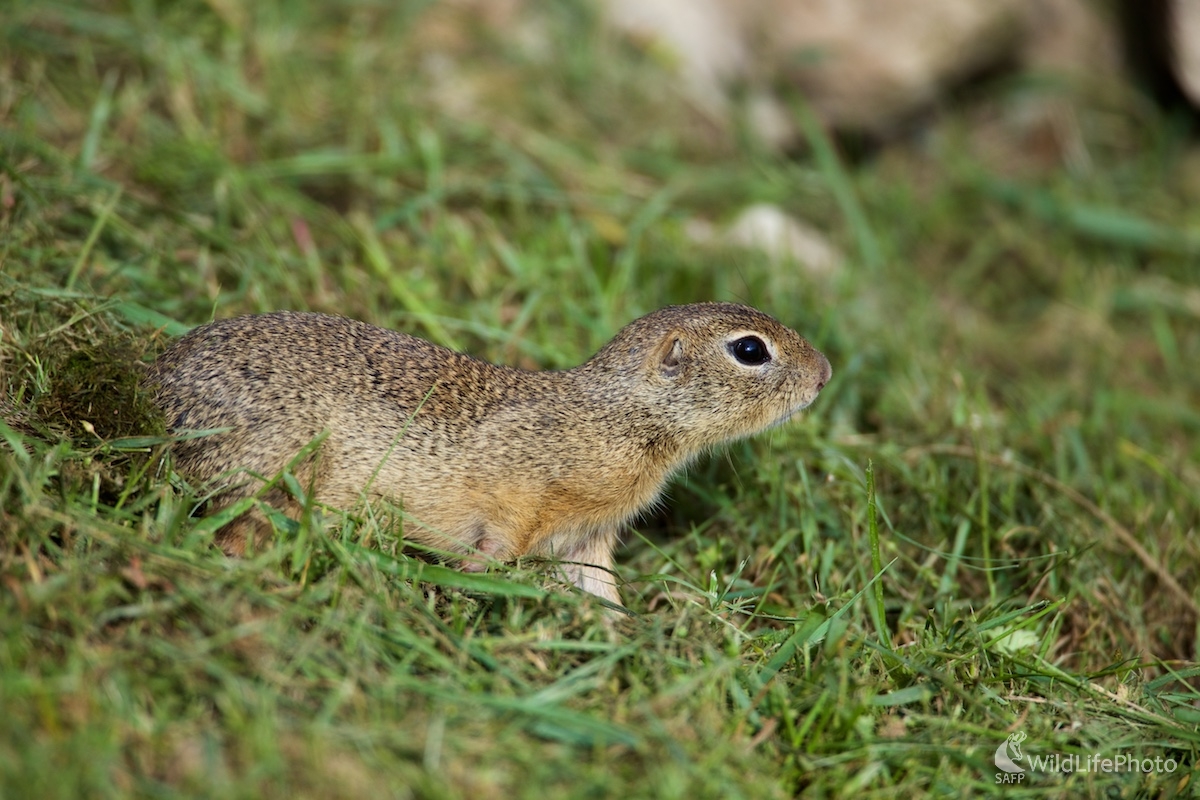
(1013, 359)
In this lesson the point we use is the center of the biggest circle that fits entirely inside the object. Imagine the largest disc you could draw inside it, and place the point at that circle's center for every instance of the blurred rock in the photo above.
(705, 36)
(863, 66)
(1184, 37)
(1069, 37)
(867, 65)
(783, 238)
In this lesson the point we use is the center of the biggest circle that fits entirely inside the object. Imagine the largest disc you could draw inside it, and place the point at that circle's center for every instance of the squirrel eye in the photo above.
(750, 350)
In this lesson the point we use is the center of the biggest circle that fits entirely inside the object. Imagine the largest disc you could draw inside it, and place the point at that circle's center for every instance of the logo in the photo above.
(1007, 756)
(1009, 753)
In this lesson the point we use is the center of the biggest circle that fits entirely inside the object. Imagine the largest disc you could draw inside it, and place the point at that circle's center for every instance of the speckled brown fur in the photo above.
(485, 459)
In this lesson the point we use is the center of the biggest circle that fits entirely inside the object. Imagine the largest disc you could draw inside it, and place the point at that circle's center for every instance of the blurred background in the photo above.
(983, 211)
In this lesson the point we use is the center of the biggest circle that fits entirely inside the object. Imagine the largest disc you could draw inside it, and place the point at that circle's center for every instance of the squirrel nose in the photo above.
(826, 373)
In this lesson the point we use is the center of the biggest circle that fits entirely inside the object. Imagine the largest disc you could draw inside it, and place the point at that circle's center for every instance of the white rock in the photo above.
(863, 65)
(706, 36)
(768, 228)
(1185, 46)
(867, 64)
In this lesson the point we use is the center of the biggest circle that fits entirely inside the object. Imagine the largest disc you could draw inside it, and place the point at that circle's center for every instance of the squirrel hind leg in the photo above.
(252, 530)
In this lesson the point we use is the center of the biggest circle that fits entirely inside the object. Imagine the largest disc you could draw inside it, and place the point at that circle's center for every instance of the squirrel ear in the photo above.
(671, 362)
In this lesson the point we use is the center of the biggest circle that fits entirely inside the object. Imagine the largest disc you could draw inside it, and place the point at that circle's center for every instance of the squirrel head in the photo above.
(711, 372)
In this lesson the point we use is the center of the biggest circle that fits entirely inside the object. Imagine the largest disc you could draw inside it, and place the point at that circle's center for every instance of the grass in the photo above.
(986, 524)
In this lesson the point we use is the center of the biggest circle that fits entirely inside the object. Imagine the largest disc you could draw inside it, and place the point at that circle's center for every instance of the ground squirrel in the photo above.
(487, 461)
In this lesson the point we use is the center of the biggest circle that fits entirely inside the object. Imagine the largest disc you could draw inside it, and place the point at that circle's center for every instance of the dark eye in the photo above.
(750, 350)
